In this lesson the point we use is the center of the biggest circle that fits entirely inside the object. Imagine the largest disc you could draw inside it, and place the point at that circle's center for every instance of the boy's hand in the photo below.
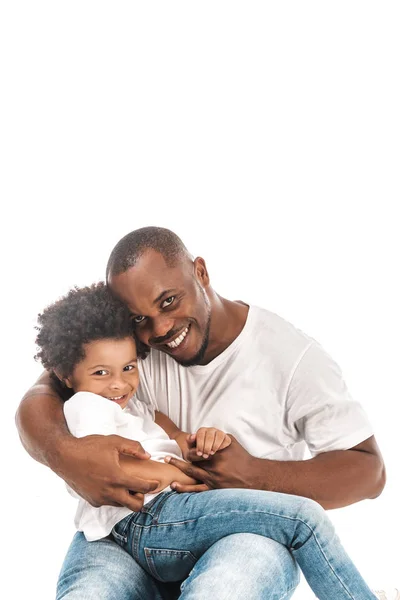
(207, 441)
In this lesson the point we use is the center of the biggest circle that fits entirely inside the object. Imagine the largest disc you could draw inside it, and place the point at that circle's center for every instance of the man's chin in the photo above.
(197, 359)
(187, 363)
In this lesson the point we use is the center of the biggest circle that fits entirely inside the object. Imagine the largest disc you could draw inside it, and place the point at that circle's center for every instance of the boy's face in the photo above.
(108, 369)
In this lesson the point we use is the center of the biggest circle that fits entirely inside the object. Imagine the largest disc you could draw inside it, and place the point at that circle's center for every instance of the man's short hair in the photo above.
(131, 247)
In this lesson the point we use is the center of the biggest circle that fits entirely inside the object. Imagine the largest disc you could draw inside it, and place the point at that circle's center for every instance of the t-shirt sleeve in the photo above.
(320, 409)
(87, 414)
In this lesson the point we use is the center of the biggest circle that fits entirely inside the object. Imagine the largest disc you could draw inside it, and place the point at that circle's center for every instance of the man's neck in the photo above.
(227, 321)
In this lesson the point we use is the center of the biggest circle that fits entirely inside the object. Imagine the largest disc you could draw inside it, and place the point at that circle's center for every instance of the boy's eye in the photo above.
(138, 319)
(168, 302)
(100, 372)
(129, 368)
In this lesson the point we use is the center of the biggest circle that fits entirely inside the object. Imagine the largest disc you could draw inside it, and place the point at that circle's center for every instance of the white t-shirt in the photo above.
(87, 414)
(274, 388)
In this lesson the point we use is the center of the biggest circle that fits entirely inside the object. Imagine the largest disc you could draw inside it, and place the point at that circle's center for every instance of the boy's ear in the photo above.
(64, 380)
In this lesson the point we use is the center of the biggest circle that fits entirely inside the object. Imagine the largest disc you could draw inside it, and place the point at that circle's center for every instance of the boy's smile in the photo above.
(108, 369)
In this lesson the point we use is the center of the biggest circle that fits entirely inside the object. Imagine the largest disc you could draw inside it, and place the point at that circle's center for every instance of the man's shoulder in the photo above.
(275, 332)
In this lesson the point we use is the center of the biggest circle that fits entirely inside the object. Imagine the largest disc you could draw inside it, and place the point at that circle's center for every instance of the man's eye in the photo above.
(100, 372)
(168, 302)
(138, 319)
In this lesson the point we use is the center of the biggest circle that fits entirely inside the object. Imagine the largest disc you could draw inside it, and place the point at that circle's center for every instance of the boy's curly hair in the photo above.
(82, 316)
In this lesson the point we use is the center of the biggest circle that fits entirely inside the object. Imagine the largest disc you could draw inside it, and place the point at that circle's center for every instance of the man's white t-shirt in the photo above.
(274, 388)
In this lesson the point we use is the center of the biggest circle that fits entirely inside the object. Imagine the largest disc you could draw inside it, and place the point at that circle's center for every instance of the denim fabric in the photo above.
(238, 567)
(170, 534)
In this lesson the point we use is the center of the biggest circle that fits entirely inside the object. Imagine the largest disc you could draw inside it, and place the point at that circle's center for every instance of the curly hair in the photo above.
(82, 316)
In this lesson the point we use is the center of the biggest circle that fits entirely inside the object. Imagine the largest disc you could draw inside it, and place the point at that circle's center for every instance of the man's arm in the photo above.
(90, 465)
(333, 479)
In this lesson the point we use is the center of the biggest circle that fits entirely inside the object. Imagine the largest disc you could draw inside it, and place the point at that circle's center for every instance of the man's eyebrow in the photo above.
(162, 294)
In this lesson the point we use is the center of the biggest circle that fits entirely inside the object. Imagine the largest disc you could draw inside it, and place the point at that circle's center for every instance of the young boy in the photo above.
(85, 340)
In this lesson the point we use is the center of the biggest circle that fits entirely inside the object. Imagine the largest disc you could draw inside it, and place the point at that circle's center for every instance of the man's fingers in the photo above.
(192, 456)
(133, 501)
(187, 468)
(143, 486)
(197, 487)
(132, 448)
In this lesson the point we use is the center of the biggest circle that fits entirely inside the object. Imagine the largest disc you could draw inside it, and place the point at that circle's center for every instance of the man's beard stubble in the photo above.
(198, 357)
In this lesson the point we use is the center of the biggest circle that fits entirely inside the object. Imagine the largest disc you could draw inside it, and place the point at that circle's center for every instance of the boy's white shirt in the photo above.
(87, 413)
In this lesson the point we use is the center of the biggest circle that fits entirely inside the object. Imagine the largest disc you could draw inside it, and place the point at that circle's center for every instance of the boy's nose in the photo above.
(117, 384)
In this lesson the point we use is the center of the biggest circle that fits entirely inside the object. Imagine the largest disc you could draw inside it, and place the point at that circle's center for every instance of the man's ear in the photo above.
(65, 380)
(200, 271)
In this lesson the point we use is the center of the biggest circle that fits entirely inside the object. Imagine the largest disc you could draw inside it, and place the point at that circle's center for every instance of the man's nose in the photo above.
(162, 325)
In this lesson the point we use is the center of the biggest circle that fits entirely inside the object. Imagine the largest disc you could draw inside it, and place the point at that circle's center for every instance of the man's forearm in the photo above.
(333, 479)
(41, 424)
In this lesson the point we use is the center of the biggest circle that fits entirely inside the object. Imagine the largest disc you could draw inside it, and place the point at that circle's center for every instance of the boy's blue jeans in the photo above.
(190, 537)
(173, 531)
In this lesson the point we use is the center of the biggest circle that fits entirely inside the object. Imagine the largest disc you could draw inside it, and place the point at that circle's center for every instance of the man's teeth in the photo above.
(178, 341)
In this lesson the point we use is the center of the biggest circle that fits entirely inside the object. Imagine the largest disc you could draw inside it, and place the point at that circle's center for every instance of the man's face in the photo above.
(169, 306)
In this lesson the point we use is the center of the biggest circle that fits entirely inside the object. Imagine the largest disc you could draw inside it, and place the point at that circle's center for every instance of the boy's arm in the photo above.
(173, 432)
(90, 465)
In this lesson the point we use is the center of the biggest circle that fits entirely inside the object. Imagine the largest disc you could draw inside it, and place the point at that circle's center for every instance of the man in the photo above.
(212, 362)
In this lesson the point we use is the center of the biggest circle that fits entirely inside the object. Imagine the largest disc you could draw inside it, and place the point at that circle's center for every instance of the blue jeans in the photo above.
(170, 534)
(103, 571)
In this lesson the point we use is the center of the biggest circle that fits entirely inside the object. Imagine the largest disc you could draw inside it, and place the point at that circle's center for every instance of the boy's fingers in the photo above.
(225, 442)
(218, 441)
(200, 440)
(209, 442)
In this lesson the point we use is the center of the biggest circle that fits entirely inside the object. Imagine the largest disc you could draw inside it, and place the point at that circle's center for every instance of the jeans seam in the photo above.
(326, 559)
(136, 534)
(288, 591)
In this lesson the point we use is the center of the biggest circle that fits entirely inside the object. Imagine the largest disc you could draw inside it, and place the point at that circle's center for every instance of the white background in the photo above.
(267, 136)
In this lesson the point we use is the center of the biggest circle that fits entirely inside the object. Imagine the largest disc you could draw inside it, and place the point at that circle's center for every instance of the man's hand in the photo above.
(228, 468)
(94, 466)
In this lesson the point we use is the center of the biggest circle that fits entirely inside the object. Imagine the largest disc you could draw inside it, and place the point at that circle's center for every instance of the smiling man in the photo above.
(211, 362)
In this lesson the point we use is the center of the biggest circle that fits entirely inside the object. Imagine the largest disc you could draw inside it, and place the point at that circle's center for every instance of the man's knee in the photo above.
(244, 566)
(102, 569)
